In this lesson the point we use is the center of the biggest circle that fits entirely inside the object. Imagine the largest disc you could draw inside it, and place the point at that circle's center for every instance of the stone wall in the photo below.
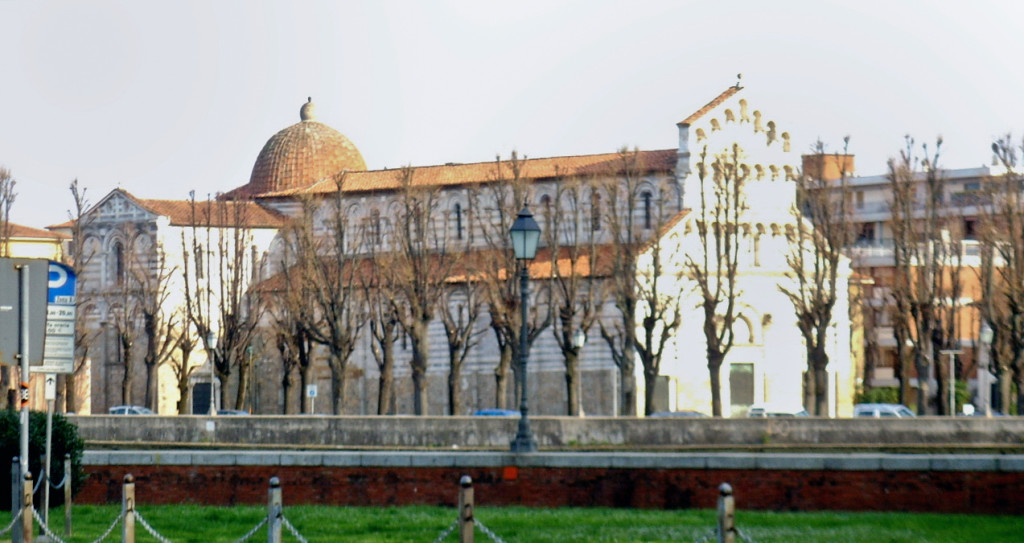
(552, 432)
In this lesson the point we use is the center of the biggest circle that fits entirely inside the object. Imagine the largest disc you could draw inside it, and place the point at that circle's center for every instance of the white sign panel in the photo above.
(59, 345)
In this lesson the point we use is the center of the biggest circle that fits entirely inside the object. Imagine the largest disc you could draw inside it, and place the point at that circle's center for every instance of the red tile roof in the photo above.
(224, 213)
(21, 231)
(484, 172)
(711, 105)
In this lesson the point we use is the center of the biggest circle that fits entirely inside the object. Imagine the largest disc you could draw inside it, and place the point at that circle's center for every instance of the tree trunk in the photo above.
(921, 364)
(304, 374)
(628, 379)
(287, 382)
(650, 388)
(244, 381)
(420, 358)
(501, 377)
(454, 393)
(151, 396)
(715, 361)
(386, 383)
(572, 383)
(129, 375)
(338, 383)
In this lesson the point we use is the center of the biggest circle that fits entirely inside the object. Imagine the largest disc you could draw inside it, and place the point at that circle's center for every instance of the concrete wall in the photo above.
(551, 432)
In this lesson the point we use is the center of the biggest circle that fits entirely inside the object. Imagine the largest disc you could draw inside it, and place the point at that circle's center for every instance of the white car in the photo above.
(879, 410)
(773, 410)
(130, 410)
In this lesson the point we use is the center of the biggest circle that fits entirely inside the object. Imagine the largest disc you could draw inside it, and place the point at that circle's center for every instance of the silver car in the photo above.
(879, 410)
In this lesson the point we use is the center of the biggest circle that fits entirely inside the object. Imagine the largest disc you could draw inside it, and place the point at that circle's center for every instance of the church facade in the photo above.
(311, 170)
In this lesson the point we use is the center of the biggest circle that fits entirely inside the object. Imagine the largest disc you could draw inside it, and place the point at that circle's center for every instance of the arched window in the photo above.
(595, 211)
(118, 263)
(545, 208)
(458, 220)
(648, 210)
(375, 226)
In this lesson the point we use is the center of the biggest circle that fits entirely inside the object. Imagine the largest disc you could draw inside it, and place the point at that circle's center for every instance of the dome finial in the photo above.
(306, 112)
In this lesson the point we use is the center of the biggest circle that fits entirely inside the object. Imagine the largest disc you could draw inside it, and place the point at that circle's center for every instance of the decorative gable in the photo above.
(118, 207)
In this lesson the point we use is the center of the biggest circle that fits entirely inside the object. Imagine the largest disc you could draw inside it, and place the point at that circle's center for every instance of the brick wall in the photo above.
(760, 489)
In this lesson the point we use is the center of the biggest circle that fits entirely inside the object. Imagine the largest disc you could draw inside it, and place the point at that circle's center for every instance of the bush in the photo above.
(65, 441)
(879, 395)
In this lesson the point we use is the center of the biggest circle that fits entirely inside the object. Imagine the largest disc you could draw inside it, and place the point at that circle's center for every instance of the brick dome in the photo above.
(301, 155)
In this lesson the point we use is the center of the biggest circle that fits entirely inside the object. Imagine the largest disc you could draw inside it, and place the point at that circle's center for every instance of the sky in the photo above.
(163, 97)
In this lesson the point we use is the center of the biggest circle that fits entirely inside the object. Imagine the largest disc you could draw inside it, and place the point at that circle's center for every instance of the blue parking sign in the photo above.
(61, 284)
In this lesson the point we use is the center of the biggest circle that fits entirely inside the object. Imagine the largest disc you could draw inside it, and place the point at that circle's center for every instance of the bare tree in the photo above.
(928, 260)
(79, 257)
(161, 321)
(7, 197)
(648, 309)
(460, 310)
(330, 271)
(576, 294)
(498, 203)
(1002, 273)
(216, 285)
(714, 267)
(823, 231)
(417, 269)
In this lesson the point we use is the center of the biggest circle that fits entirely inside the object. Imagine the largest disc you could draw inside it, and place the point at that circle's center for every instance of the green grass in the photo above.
(197, 524)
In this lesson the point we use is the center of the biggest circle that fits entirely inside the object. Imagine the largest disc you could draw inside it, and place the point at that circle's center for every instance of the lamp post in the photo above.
(579, 339)
(210, 339)
(984, 388)
(952, 378)
(525, 234)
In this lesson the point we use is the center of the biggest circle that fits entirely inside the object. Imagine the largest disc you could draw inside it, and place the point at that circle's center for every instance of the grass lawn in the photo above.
(197, 524)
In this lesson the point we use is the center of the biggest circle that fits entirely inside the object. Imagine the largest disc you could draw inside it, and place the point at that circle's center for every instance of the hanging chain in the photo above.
(150, 529)
(487, 531)
(292, 529)
(447, 531)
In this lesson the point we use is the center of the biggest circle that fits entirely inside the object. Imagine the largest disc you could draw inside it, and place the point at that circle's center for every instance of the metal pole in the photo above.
(24, 353)
(524, 441)
(952, 378)
(46, 460)
(466, 522)
(128, 509)
(15, 498)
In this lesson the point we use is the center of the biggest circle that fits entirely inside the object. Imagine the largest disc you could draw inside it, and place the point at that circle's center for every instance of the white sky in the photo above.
(163, 97)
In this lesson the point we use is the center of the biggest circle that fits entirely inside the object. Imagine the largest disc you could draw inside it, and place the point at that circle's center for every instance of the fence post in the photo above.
(15, 498)
(44, 482)
(726, 514)
(466, 522)
(26, 508)
(274, 511)
(128, 510)
(67, 494)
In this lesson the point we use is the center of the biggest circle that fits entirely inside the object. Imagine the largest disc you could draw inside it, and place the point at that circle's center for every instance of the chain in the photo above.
(150, 529)
(109, 529)
(447, 531)
(292, 529)
(61, 483)
(252, 532)
(487, 531)
(39, 481)
(743, 536)
(13, 522)
(707, 537)
(44, 527)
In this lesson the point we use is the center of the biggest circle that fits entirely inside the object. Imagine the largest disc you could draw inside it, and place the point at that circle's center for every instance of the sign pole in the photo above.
(51, 398)
(24, 353)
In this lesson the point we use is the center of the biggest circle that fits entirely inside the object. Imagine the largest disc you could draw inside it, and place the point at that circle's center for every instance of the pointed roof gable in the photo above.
(18, 231)
(719, 100)
(224, 213)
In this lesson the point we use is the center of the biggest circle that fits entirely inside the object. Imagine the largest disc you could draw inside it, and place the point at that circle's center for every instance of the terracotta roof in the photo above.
(21, 231)
(484, 172)
(298, 156)
(711, 105)
(225, 213)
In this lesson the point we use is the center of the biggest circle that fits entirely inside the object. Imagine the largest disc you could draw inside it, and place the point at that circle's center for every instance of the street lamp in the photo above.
(210, 339)
(525, 234)
(984, 388)
(579, 339)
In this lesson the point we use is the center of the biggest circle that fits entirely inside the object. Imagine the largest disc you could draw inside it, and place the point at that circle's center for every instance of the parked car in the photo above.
(775, 410)
(878, 410)
(130, 410)
(686, 413)
(232, 412)
(496, 413)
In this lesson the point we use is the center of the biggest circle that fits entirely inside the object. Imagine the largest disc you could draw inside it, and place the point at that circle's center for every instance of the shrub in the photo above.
(879, 395)
(65, 441)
